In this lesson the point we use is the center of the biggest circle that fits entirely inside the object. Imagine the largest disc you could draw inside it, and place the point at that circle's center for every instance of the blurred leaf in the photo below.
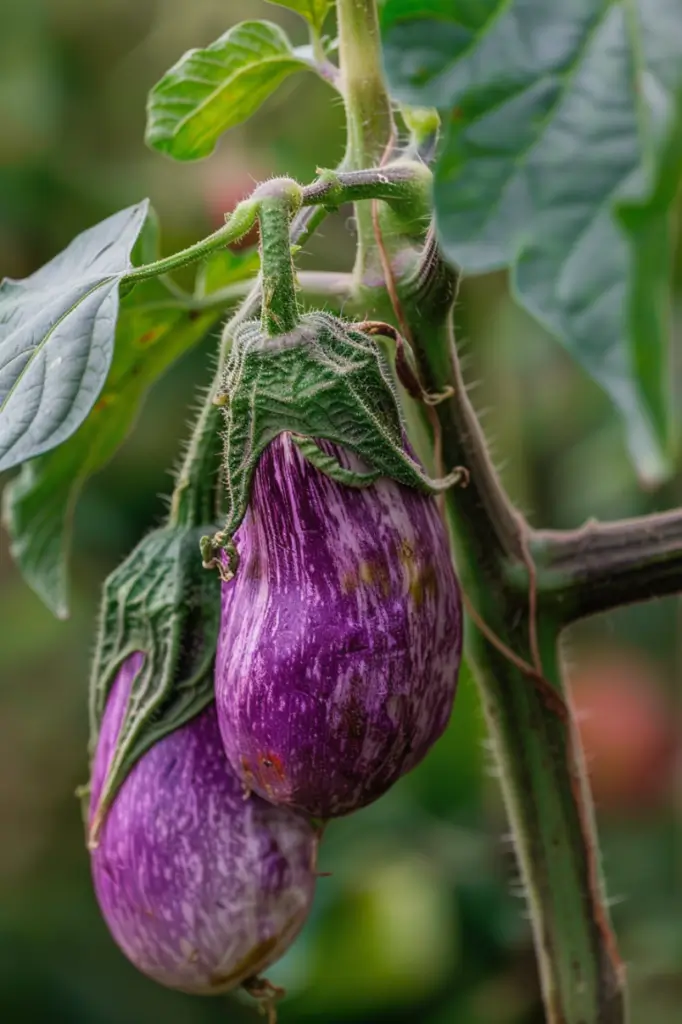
(451, 778)
(225, 267)
(314, 11)
(154, 329)
(649, 231)
(555, 115)
(57, 336)
(211, 90)
(388, 938)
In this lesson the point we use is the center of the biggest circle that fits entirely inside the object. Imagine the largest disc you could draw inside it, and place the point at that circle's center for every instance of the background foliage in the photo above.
(420, 919)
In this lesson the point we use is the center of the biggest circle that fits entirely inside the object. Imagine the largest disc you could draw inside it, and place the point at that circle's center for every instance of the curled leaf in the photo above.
(209, 91)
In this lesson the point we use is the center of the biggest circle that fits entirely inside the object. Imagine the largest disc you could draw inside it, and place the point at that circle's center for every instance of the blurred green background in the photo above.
(421, 920)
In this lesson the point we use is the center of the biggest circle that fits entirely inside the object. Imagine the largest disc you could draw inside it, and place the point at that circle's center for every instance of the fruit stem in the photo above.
(188, 503)
(238, 224)
(278, 201)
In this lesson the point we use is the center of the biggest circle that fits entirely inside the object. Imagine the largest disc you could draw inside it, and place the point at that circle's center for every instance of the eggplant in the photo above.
(200, 887)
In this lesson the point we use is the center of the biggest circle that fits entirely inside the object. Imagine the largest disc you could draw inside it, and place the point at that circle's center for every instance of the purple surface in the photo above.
(199, 886)
(340, 639)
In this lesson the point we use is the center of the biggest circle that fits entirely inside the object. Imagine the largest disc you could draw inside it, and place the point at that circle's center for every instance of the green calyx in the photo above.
(161, 603)
(326, 379)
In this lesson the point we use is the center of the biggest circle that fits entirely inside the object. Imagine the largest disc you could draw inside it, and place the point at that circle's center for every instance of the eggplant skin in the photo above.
(200, 887)
(341, 635)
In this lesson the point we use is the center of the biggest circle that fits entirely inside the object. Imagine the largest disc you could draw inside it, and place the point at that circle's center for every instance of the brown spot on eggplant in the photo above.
(354, 718)
(375, 574)
(349, 582)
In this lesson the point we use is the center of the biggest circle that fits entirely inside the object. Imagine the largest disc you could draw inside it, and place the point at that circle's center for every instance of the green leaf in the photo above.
(314, 11)
(211, 90)
(649, 230)
(154, 329)
(161, 602)
(225, 267)
(57, 336)
(557, 116)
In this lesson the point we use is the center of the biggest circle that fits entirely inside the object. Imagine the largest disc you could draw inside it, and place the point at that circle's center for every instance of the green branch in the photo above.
(514, 653)
(188, 499)
(402, 185)
(606, 565)
(369, 120)
(312, 284)
(237, 225)
(278, 200)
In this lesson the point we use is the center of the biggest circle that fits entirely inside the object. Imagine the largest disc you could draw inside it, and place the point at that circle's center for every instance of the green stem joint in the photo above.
(278, 200)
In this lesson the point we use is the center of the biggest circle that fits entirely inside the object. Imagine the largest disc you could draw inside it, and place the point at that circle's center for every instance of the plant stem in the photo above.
(188, 499)
(543, 781)
(540, 762)
(369, 121)
(428, 298)
(607, 565)
(402, 185)
(239, 224)
(196, 479)
(318, 284)
(316, 45)
(324, 284)
(278, 200)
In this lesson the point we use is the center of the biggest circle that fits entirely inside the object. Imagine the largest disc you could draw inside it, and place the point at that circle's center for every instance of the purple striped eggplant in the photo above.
(340, 636)
(200, 888)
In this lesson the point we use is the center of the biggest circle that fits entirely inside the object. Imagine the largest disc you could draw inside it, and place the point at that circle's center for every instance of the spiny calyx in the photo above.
(325, 379)
(160, 603)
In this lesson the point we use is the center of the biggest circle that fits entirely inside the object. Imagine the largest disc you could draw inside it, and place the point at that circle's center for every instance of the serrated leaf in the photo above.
(209, 91)
(57, 336)
(314, 11)
(556, 114)
(154, 329)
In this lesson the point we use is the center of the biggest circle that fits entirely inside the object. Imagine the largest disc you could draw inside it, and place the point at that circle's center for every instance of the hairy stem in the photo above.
(313, 284)
(402, 185)
(428, 297)
(237, 225)
(607, 565)
(369, 122)
(188, 503)
(278, 201)
(191, 503)
(538, 754)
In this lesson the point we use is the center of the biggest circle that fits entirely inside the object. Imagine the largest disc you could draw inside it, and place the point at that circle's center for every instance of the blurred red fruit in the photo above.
(629, 731)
